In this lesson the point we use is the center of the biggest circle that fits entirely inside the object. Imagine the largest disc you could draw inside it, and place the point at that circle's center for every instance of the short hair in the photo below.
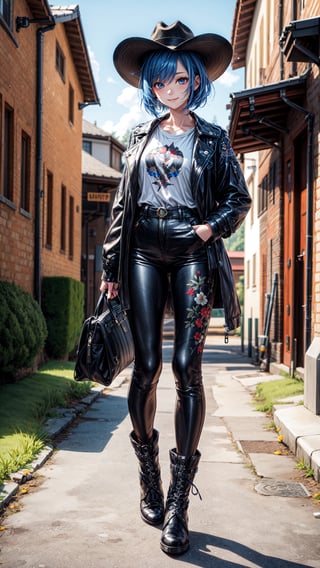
(162, 65)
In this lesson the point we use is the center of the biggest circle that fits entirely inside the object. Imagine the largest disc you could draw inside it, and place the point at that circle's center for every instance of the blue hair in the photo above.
(162, 65)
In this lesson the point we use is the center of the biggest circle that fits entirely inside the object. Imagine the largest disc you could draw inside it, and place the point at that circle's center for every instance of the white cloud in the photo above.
(94, 63)
(128, 98)
(228, 79)
(111, 80)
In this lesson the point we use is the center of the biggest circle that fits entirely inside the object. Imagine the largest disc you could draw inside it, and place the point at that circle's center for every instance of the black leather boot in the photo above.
(175, 534)
(151, 492)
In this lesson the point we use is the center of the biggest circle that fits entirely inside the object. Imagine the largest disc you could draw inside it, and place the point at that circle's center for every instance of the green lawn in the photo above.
(270, 393)
(24, 407)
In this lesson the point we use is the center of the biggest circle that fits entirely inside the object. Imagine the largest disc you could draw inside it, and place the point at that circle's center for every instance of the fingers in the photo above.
(203, 231)
(103, 286)
(111, 288)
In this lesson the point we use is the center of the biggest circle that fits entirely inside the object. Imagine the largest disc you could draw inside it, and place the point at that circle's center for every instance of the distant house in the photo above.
(101, 145)
(45, 82)
(237, 264)
(101, 165)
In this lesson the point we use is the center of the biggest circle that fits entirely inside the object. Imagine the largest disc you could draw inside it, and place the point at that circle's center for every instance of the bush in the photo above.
(63, 308)
(23, 329)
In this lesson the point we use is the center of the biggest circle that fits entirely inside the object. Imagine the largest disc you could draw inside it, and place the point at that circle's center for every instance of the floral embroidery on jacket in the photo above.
(198, 315)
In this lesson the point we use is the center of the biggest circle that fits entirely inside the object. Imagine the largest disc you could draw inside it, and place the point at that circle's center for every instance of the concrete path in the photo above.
(84, 513)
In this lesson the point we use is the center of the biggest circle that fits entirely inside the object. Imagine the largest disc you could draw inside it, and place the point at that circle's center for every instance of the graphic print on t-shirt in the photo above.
(163, 163)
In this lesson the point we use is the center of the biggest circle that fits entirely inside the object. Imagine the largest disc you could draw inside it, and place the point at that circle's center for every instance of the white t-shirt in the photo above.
(164, 173)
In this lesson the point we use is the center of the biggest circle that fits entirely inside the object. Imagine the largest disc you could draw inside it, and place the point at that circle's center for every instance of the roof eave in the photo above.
(242, 21)
(40, 9)
(114, 181)
(258, 115)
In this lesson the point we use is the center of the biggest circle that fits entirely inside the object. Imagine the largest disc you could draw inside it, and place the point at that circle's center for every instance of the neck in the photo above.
(178, 121)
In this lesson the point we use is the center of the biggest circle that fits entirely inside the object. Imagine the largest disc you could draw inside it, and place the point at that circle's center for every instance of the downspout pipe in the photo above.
(309, 116)
(38, 168)
(280, 15)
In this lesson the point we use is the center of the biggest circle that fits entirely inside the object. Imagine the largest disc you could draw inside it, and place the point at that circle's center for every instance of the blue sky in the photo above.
(106, 23)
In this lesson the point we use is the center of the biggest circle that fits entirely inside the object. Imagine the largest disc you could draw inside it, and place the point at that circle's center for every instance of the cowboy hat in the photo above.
(215, 50)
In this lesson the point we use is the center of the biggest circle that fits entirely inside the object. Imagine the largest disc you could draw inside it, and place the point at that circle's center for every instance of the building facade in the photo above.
(45, 81)
(275, 122)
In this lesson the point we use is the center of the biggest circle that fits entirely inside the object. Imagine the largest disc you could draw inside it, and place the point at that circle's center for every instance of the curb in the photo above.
(299, 426)
(301, 430)
(53, 426)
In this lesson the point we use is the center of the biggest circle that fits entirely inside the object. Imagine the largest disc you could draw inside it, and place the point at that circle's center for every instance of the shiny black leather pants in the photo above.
(167, 251)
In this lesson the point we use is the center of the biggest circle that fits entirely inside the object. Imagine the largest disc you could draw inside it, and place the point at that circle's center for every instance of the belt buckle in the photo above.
(162, 212)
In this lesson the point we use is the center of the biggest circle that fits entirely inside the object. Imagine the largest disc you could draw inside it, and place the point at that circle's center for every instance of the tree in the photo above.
(236, 241)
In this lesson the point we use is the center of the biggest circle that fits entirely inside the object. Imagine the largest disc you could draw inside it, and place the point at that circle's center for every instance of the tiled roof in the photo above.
(95, 168)
(93, 130)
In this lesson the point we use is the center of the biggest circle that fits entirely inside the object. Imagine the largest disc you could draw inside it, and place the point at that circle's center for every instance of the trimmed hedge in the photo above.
(63, 308)
(23, 329)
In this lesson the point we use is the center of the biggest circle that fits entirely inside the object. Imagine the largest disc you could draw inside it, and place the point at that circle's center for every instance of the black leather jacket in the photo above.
(221, 197)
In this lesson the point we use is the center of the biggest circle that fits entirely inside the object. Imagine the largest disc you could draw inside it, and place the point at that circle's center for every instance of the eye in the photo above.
(182, 80)
(158, 85)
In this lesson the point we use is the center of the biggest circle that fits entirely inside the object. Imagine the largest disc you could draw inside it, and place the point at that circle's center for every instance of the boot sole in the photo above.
(174, 550)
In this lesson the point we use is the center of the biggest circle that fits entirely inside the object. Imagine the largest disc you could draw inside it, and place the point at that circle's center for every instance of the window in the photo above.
(71, 105)
(261, 61)
(87, 146)
(49, 210)
(267, 188)
(5, 11)
(116, 160)
(248, 274)
(302, 5)
(254, 270)
(263, 195)
(63, 212)
(60, 61)
(7, 177)
(25, 172)
(71, 222)
(251, 188)
(273, 180)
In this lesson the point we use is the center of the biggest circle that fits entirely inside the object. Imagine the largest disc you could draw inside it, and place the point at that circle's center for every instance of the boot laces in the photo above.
(194, 490)
(180, 489)
(151, 476)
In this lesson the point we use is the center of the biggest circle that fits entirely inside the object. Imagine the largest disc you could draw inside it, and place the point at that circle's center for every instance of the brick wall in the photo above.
(61, 156)
(62, 144)
(18, 89)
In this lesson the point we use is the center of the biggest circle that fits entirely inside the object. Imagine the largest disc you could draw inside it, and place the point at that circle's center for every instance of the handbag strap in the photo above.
(113, 305)
(100, 305)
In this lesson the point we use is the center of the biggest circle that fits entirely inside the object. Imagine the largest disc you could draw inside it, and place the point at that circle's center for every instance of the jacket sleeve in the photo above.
(231, 192)
(112, 242)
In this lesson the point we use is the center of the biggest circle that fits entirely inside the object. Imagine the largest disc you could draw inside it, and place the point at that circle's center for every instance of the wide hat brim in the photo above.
(215, 51)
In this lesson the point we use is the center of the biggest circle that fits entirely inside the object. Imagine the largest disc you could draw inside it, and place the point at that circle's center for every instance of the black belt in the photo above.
(162, 212)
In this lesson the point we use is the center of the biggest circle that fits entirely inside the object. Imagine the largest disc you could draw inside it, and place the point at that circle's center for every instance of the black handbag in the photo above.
(106, 345)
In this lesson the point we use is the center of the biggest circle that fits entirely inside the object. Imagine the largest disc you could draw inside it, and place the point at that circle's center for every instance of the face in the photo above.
(175, 93)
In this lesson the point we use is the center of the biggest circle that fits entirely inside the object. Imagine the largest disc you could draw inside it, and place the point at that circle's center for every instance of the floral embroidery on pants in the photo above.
(198, 315)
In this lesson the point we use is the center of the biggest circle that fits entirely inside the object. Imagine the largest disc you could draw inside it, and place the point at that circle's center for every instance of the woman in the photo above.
(182, 190)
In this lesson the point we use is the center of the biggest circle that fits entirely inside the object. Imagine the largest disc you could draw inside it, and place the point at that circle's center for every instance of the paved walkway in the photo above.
(84, 513)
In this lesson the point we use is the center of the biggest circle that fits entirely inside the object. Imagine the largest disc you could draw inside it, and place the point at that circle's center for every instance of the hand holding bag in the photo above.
(106, 345)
